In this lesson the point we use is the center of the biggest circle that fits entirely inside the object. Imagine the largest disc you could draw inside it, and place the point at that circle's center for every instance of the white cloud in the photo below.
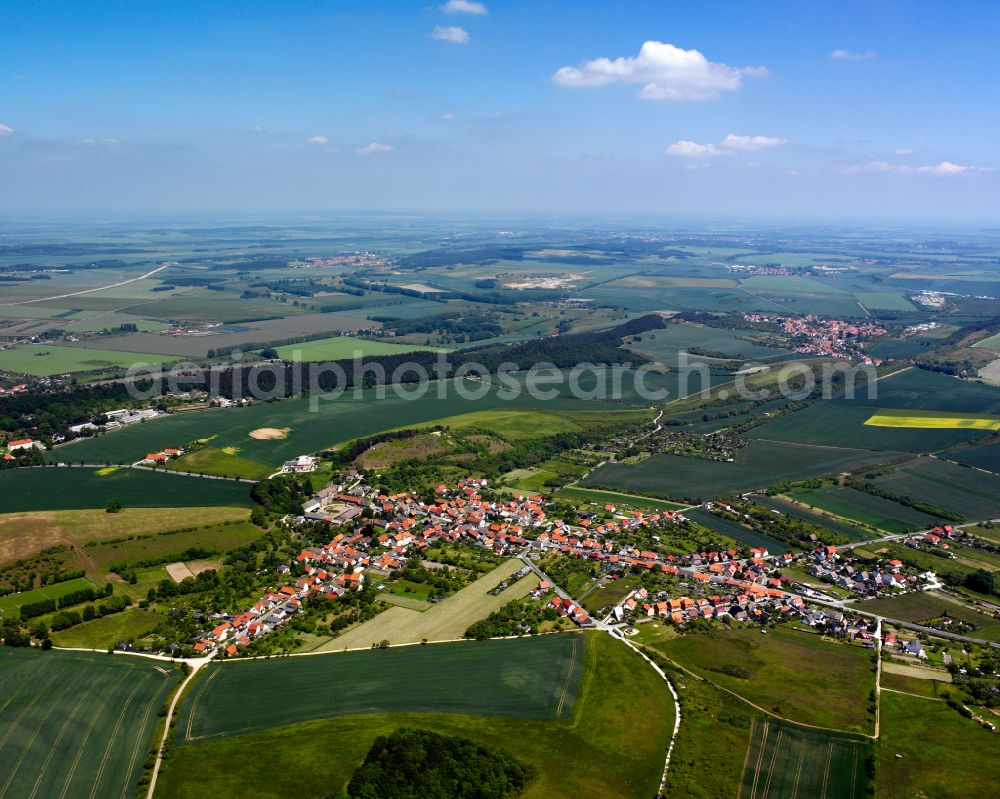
(450, 33)
(257, 129)
(448, 117)
(943, 168)
(736, 142)
(843, 54)
(320, 140)
(666, 72)
(692, 149)
(6, 130)
(732, 144)
(464, 7)
(374, 148)
(904, 151)
(97, 142)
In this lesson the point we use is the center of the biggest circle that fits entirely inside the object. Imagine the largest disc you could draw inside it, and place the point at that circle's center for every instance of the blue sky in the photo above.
(844, 109)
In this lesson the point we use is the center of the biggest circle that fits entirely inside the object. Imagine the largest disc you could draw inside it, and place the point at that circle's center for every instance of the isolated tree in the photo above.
(114, 505)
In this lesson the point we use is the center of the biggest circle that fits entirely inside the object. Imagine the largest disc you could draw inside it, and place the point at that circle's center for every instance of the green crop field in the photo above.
(74, 724)
(610, 746)
(805, 514)
(72, 488)
(859, 506)
(971, 492)
(833, 424)
(525, 678)
(220, 536)
(616, 498)
(931, 391)
(341, 347)
(664, 345)
(757, 466)
(627, 386)
(211, 460)
(108, 630)
(981, 456)
(798, 675)
(311, 427)
(791, 284)
(991, 343)
(884, 300)
(738, 532)
(44, 360)
(927, 749)
(785, 761)
(841, 422)
(678, 298)
(10, 604)
(513, 424)
(24, 534)
(202, 309)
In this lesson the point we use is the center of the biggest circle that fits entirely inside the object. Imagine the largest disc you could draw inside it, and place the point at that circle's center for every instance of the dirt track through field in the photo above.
(569, 678)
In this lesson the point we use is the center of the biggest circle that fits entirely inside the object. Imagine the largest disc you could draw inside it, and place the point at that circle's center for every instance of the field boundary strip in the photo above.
(854, 772)
(760, 756)
(774, 759)
(589, 668)
(798, 771)
(915, 696)
(195, 700)
(569, 678)
(826, 769)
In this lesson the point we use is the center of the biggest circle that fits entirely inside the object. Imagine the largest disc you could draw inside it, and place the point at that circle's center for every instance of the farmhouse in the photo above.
(24, 444)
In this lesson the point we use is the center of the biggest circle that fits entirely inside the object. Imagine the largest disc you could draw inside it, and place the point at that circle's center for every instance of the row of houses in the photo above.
(739, 599)
(277, 606)
(938, 538)
(863, 579)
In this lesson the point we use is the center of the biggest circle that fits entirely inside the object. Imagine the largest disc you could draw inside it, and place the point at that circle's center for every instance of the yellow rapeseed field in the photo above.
(933, 420)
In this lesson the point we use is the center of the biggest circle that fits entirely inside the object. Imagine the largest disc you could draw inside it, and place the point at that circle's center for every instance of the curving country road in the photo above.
(90, 291)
